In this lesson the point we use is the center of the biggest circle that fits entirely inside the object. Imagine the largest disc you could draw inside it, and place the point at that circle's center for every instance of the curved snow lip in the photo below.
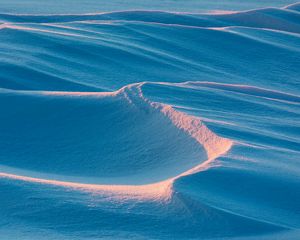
(157, 187)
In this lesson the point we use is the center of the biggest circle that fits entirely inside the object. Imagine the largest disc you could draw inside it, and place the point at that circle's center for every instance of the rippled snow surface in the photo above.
(149, 120)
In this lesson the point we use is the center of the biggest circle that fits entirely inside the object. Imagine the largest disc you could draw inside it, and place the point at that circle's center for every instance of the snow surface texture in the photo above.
(150, 125)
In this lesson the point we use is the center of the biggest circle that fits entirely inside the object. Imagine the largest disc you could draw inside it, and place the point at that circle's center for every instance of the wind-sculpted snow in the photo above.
(294, 7)
(102, 52)
(150, 125)
(150, 134)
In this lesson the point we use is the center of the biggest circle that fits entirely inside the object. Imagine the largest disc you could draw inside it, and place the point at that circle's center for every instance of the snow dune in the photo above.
(105, 138)
(146, 124)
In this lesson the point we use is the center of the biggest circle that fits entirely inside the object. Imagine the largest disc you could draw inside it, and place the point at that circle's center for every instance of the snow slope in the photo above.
(143, 124)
